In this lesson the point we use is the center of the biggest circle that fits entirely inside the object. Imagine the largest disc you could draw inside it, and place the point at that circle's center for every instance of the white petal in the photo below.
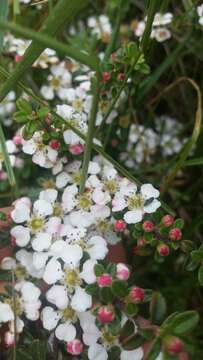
(30, 292)
(21, 235)
(81, 301)
(6, 313)
(87, 273)
(49, 195)
(65, 332)
(136, 354)
(20, 213)
(8, 263)
(97, 248)
(72, 254)
(100, 211)
(152, 207)
(50, 318)
(53, 272)
(62, 180)
(42, 208)
(133, 216)
(53, 225)
(57, 295)
(97, 352)
(29, 147)
(41, 241)
(82, 218)
(148, 191)
(93, 168)
(40, 259)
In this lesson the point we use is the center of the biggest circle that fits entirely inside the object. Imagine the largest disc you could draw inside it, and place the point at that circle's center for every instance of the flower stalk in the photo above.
(3, 149)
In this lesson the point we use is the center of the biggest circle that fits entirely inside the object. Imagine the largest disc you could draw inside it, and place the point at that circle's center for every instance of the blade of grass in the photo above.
(150, 82)
(3, 149)
(95, 147)
(194, 162)
(3, 16)
(195, 134)
(16, 8)
(151, 11)
(63, 12)
(111, 47)
(46, 41)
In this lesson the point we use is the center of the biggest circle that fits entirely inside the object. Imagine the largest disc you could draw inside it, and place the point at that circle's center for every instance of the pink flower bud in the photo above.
(141, 242)
(54, 144)
(76, 149)
(120, 225)
(137, 294)
(74, 347)
(8, 339)
(163, 250)
(3, 175)
(174, 345)
(121, 77)
(17, 139)
(122, 272)
(175, 234)
(106, 76)
(18, 58)
(105, 314)
(168, 220)
(148, 226)
(104, 280)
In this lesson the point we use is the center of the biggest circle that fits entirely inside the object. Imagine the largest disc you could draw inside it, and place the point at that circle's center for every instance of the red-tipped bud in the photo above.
(174, 345)
(137, 294)
(148, 226)
(74, 347)
(175, 234)
(106, 76)
(54, 144)
(122, 272)
(120, 225)
(105, 315)
(17, 139)
(104, 280)
(141, 242)
(163, 250)
(76, 149)
(18, 58)
(168, 220)
(121, 77)
(9, 339)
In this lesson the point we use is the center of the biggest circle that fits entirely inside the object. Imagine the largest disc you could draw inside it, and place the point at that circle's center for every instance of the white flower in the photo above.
(139, 29)
(161, 34)
(81, 301)
(138, 203)
(30, 298)
(97, 352)
(59, 80)
(6, 313)
(162, 19)
(136, 354)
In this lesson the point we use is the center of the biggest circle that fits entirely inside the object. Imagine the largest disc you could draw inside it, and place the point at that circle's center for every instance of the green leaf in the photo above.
(3, 16)
(128, 329)
(154, 349)
(42, 112)
(29, 129)
(106, 295)
(119, 288)
(133, 343)
(24, 106)
(5, 275)
(99, 269)
(157, 308)
(91, 289)
(200, 275)
(21, 117)
(179, 223)
(111, 269)
(114, 353)
(181, 323)
(131, 309)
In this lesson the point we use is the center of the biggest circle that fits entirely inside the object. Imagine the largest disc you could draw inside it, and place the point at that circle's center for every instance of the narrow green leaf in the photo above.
(154, 350)
(3, 149)
(3, 16)
(181, 323)
(157, 308)
(194, 162)
(200, 275)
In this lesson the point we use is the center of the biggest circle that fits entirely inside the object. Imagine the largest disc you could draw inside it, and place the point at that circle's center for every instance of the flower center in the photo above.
(104, 105)
(108, 339)
(111, 186)
(55, 82)
(135, 202)
(76, 177)
(84, 202)
(36, 224)
(57, 210)
(72, 278)
(78, 104)
(20, 272)
(18, 305)
(103, 226)
(69, 314)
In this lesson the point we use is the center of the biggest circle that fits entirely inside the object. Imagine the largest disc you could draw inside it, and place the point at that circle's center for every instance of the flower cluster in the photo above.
(160, 31)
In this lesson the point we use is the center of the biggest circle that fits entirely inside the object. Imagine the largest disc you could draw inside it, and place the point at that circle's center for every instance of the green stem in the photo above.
(3, 148)
(110, 48)
(152, 9)
(95, 147)
(3, 16)
(63, 12)
(90, 133)
(46, 41)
